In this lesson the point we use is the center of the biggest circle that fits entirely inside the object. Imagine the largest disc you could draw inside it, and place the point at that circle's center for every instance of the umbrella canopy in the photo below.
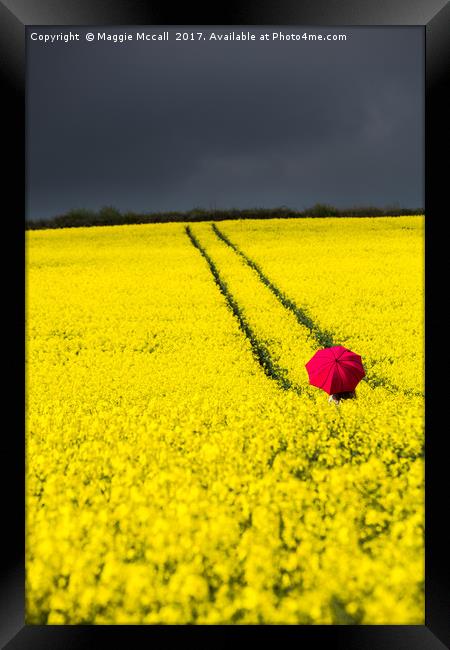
(335, 370)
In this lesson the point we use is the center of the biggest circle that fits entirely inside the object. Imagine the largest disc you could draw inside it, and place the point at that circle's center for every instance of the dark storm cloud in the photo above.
(165, 126)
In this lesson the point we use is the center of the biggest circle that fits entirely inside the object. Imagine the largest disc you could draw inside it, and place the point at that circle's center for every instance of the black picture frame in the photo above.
(15, 16)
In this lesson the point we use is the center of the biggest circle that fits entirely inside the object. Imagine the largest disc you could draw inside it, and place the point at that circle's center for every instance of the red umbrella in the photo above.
(335, 370)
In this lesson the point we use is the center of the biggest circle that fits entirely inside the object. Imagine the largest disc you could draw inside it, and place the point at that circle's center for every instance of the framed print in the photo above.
(230, 395)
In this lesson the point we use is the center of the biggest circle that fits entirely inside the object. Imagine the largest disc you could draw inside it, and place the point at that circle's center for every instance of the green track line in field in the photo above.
(324, 338)
(260, 351)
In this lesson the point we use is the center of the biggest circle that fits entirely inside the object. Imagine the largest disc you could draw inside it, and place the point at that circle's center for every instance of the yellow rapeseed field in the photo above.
(180, 468)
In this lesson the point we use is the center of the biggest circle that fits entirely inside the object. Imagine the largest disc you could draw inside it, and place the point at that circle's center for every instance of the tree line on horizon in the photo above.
(110, 216)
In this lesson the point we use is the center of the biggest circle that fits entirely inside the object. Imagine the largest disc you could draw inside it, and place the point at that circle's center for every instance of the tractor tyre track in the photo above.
(324, 338)
(260, 351)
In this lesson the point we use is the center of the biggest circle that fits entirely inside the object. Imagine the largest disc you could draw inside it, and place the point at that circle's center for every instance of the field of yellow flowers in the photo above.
(180, 469)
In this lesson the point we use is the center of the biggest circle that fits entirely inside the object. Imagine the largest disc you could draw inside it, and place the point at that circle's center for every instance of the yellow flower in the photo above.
(180, 468)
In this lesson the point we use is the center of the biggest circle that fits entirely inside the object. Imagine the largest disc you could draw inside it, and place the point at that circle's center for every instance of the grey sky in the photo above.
(151, 126)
